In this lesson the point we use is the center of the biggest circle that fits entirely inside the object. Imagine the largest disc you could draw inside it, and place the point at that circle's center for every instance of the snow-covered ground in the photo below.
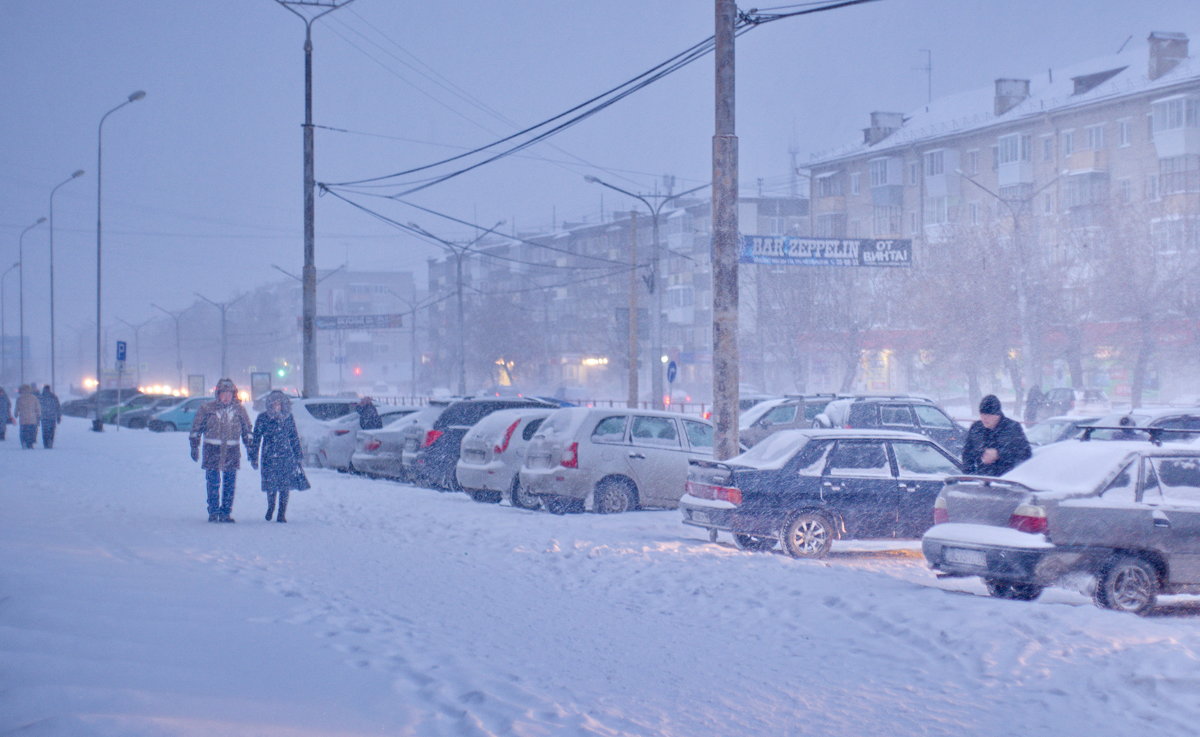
(383, 609)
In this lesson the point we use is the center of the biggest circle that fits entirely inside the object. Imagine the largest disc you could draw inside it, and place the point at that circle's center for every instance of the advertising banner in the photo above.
(781, 250)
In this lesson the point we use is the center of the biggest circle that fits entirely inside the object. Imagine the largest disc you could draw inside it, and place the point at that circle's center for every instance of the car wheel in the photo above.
(1012, 590)
(168, 427)
(753, 543)
(485, 497)
(523, 499)
(1127, 584)
(808, 535)
(614, 497)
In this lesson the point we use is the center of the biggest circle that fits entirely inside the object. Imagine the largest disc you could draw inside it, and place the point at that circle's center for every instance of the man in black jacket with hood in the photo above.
(995, 444)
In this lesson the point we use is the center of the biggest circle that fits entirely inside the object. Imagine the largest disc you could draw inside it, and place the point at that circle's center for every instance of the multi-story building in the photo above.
(1072, 196)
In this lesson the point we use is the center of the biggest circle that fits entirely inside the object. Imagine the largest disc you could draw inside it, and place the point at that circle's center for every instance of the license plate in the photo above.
(700, 517)
(965, 557)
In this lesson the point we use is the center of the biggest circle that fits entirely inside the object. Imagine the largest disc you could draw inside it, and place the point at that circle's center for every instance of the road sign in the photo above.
(672, 372)
(120, 350)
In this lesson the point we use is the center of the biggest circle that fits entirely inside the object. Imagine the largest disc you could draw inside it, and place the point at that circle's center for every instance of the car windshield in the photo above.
(1047, 431)
(1072, 466)
(773, 451)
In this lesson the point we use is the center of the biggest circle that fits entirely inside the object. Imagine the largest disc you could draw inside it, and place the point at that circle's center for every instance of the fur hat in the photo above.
(990, 405)
(227, 385)
(276, 396)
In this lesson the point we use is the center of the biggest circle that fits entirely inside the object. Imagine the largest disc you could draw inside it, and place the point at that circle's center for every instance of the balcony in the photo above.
(1087, 160)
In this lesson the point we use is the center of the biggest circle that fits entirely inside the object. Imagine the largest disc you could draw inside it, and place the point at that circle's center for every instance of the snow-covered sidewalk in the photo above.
(382, 609)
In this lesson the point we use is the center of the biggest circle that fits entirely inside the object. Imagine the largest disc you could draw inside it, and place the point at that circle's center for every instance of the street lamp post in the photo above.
(53, 355)
(97, 425)
(223, 307)
(459, 251)
(413, 306)
(4, 329)
(137, 345)
(653, 282)
(178, 346)
(21, 292)
(309, 281)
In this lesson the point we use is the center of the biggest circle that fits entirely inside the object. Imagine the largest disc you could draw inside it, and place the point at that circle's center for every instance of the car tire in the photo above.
(1014, 590)
(523, 499)
(614, 496)
(808, 535)
(168, 427)
(485, 497)
(753, 543)
(1127, 584)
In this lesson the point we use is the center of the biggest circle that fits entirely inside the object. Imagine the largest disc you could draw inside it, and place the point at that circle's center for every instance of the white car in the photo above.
(312, 417)
(335, 447)
(492, 453)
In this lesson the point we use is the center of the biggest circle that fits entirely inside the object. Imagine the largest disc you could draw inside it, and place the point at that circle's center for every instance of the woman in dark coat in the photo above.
(276, 444)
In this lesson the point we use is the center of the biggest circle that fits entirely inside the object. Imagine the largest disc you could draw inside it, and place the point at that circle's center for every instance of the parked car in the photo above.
(1056, 429)
(86, 407)
(900, 412)
(792, 412)
(435, 460)
(492, 453)
(111, 415)
(335, 447)
(380, 453)
(138, 418)
(1064, 400)
(312, 415)
(1125, 512)
(1168, 418)
(806, 488)
(178, 417)
(612, 460)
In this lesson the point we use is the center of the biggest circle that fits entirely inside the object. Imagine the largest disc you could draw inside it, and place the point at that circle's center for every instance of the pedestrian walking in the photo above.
(51, 415)
(995, 444)
(220, 425)
(6, 417)
(1033, 404)
(29, 415)
(368, 416)
(275, 445)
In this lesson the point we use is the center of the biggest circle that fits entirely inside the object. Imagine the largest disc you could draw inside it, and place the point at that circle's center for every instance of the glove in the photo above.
(195, 454)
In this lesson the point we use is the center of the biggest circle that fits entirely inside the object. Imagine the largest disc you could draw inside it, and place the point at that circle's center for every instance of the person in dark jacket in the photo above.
(6, 417)
(51, 415)
(995, 444)
(275, 445)
(368, 416)
(1033, 404)
(221, 424)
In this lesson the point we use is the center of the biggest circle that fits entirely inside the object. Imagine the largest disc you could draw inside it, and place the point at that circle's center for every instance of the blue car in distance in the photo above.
(178, 417)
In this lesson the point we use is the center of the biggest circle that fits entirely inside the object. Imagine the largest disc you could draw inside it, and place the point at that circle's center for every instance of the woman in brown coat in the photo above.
(223, 425)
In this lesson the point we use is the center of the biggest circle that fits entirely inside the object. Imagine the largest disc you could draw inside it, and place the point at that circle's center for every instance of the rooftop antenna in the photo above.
(928, 69)
(1124, 44)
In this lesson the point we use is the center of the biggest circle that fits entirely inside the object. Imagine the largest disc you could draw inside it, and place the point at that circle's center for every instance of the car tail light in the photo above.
(940, 513)
(706, 415)
(730, 494)
(570, 456)
(431, 437)
(503, 446)
(1028, 518)
(340, 432)
(372, 445)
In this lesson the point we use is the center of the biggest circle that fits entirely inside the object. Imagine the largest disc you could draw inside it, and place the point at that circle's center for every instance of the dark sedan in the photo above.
(806, 488)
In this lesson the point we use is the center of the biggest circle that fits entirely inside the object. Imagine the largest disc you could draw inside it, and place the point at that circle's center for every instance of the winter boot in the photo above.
(283, 500)
(271, 505)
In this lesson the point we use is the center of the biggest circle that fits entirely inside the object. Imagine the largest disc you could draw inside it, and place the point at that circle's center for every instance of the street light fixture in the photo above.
(653, 283)
(97, 425)
(53, 356)
(21, 290)
(459, 251)
(178, 346)
(223, 307)
(4, 330)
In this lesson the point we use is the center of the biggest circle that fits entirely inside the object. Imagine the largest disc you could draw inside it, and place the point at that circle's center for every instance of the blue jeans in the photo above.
(220, 481)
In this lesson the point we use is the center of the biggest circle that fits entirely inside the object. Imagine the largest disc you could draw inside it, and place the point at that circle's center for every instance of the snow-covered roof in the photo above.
(1050, 91)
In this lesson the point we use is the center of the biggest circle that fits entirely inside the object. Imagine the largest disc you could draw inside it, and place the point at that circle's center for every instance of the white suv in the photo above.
(613, 460)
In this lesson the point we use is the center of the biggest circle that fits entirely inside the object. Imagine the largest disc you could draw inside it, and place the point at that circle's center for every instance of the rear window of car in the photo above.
(532, 428)
(659, 431)
(610, 429)
(773, 450)
(468, 413)
(329, 410)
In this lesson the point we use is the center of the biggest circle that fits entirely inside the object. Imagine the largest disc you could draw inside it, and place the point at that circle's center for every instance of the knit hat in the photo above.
(990, 405)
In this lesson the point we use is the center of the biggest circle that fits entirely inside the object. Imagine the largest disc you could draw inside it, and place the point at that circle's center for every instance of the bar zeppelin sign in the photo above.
(358, 322)
(793, 251)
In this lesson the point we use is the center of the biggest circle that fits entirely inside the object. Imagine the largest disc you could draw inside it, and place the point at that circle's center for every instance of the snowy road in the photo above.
(382, 609)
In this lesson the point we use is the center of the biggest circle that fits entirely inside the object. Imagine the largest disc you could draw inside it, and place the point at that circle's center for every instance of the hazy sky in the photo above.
(202, 178)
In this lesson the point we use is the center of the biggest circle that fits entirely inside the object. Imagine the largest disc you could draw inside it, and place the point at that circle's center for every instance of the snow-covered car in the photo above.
(1168, 418)
(492, 453)
(1125, 514)
(613, 460)
(379, 453)
(138, 419)
(1056, 429)
(806, 488)
(784, 413)
(336, 446)
(312, 417)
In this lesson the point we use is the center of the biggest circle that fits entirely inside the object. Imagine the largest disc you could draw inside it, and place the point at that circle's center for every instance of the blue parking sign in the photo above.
(120, 350)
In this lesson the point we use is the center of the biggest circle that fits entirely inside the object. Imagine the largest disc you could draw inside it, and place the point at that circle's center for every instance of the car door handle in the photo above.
(909, 489)
(637, 455)
(832, 487)
(1162, 522)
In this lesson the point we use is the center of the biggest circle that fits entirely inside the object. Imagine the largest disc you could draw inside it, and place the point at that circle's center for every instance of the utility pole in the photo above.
(632, 401)
(724, 240)
(223, 307)
(178, 344)
(315, 9)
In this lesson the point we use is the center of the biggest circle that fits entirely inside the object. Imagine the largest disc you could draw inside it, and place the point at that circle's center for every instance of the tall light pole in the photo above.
(97, 425)
(178, 345)
(53, 355)
(223, 307)
(316, 283)
(459, 250)
(4, 330)
(413, 306)
(21, 291)
(316, 9)
(653, 282)
(725, 237)
(137, 345)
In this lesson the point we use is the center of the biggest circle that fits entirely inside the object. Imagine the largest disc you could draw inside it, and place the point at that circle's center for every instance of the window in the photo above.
(780, 415)
(1124, 487)
(896, 414)
(610, 430)
(532, 428)
(1124, 190)
(699, 435)
(1124, 133)
(936, 210)
(919, 459)
(1152, 187)
(832, 225)
(879, 172)
(1095, 137)
(1179, 480)
(1175, 113)
(972, 162)
(811, 459)
(1068, 143)
(933, 417)
(1086, 189)
(656, 431)
(1048, 148)
(829, 185)
(935, 162)
(1179, 174)
(859, 458)
(1014, 148)
(887, 220)
(854, 183)
(913, 170)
